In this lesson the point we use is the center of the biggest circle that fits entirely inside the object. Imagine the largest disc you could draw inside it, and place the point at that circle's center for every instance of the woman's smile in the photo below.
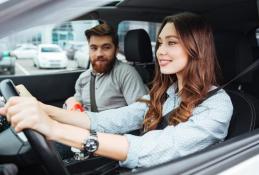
(164, 62)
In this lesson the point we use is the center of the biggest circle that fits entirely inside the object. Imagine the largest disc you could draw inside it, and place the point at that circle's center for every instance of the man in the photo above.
(116, 84)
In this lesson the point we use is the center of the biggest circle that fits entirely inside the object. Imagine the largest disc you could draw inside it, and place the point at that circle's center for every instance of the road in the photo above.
(25, 67)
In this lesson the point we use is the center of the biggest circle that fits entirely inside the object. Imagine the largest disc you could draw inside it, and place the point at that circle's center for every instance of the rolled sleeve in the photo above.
(132, 160)
(120, 120)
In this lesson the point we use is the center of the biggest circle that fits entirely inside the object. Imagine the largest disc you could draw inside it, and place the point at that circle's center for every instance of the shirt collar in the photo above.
(171, 91)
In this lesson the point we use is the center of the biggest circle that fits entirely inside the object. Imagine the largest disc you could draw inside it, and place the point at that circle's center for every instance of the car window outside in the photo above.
(22, 56)
(150, 27)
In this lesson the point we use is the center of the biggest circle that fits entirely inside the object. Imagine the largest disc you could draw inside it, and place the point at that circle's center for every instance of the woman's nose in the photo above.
(161, 50)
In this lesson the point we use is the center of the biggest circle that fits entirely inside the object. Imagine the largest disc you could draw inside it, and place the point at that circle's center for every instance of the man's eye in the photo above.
(92, 48)
(107, 47)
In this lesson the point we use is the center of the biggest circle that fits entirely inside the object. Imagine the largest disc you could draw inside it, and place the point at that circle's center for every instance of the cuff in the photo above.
(93, 120)
(132, 156)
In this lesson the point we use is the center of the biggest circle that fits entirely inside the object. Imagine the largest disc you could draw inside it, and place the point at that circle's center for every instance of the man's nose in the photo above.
(99, 52)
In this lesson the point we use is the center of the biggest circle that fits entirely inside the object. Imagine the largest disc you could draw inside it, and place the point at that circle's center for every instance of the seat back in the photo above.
(245, 113)
(138, 51)
(234, 54)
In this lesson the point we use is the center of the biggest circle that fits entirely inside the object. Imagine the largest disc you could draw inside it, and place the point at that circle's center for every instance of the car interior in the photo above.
(234, 23)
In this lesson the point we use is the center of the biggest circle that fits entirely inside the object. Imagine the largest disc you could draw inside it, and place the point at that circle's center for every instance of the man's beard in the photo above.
(102, 65)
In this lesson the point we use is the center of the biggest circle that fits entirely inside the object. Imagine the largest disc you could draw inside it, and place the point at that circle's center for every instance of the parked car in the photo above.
(25, 51)
(71, 47)
(234, 23)
(82, 57)
(50, 56)
(7, 61)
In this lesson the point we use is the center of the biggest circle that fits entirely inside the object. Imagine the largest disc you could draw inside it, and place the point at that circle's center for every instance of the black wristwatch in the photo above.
(91, 144)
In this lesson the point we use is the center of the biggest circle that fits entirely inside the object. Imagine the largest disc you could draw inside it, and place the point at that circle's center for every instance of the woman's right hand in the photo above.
(27, 112)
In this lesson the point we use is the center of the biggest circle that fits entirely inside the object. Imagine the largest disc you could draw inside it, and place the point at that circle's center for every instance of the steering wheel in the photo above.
(44, 150)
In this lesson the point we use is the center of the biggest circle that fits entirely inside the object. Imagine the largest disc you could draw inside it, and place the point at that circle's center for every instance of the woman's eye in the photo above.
(158, 43)
(171, 43)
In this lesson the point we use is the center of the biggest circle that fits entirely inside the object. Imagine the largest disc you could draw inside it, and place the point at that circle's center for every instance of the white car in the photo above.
(82, 57)
(50, 56)
(26, 51)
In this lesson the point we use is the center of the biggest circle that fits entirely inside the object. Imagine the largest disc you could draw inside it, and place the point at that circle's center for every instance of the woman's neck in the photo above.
(179, 82)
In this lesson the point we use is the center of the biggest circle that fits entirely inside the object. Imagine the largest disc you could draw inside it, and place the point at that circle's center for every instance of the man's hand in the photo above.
(72, 104)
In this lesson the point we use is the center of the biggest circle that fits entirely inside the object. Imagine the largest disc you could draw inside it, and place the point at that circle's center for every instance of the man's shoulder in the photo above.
(84, 77)
(124, 67)
(85, 73)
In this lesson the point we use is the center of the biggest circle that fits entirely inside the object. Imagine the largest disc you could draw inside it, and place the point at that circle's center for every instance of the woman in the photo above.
(185, 73)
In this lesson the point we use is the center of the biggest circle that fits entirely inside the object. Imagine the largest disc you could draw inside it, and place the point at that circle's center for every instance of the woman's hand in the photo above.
(27, 112)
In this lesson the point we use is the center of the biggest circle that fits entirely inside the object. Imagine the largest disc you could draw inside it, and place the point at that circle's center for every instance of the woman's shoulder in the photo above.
(218, 99)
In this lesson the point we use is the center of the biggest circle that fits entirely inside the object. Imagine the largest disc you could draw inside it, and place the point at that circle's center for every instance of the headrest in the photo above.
(234, 53)
(254, 44)
(137, 46)
(252, 38)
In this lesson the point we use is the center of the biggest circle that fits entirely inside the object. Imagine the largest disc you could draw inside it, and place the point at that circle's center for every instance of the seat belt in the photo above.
(164, 121)
(92, 94)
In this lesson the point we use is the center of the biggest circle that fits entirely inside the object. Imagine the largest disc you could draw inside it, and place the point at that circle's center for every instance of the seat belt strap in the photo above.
(92, 94)
(250, 68)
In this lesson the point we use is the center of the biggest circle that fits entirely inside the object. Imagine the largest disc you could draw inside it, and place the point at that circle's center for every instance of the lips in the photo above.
(101, 61)
(164, 62)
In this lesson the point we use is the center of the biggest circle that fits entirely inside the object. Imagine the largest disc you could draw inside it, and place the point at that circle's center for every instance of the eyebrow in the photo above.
(105, 44)
(169, 36)
(172, 36)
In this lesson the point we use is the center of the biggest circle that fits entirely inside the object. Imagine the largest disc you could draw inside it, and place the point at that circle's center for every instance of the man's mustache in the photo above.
(101, 59)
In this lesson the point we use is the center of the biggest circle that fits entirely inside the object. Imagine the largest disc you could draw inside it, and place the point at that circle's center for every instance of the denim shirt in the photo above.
(207, 125)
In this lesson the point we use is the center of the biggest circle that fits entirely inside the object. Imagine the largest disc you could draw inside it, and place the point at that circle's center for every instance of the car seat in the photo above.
(245, 113)
(138, 51)
(235, 54)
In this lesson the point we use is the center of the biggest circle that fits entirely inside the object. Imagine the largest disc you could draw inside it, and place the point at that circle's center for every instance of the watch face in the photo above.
(91, 145)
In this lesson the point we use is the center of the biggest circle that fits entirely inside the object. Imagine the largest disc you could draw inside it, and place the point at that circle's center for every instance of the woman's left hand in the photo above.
(26, 112)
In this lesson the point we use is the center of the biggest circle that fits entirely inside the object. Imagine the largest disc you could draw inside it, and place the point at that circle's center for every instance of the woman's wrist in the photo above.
(44, 107)
(55, 131)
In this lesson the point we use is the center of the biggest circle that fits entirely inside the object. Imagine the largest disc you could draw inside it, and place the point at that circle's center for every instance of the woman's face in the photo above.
(171, 55)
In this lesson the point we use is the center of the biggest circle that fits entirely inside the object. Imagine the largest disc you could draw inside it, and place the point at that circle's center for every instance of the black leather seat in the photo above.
(138, 51)
(235, 54)
(245, 114)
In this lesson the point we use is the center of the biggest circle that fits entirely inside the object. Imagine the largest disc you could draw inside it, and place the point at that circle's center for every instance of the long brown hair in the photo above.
(198, 76)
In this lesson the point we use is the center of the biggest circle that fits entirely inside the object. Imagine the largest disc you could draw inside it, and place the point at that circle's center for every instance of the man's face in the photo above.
(102, 53)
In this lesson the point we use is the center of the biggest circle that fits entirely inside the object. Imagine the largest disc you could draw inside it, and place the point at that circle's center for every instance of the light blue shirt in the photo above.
(208, 125)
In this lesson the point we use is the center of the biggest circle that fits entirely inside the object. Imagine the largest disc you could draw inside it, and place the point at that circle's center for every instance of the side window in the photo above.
(46, 49)
(151, 28)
